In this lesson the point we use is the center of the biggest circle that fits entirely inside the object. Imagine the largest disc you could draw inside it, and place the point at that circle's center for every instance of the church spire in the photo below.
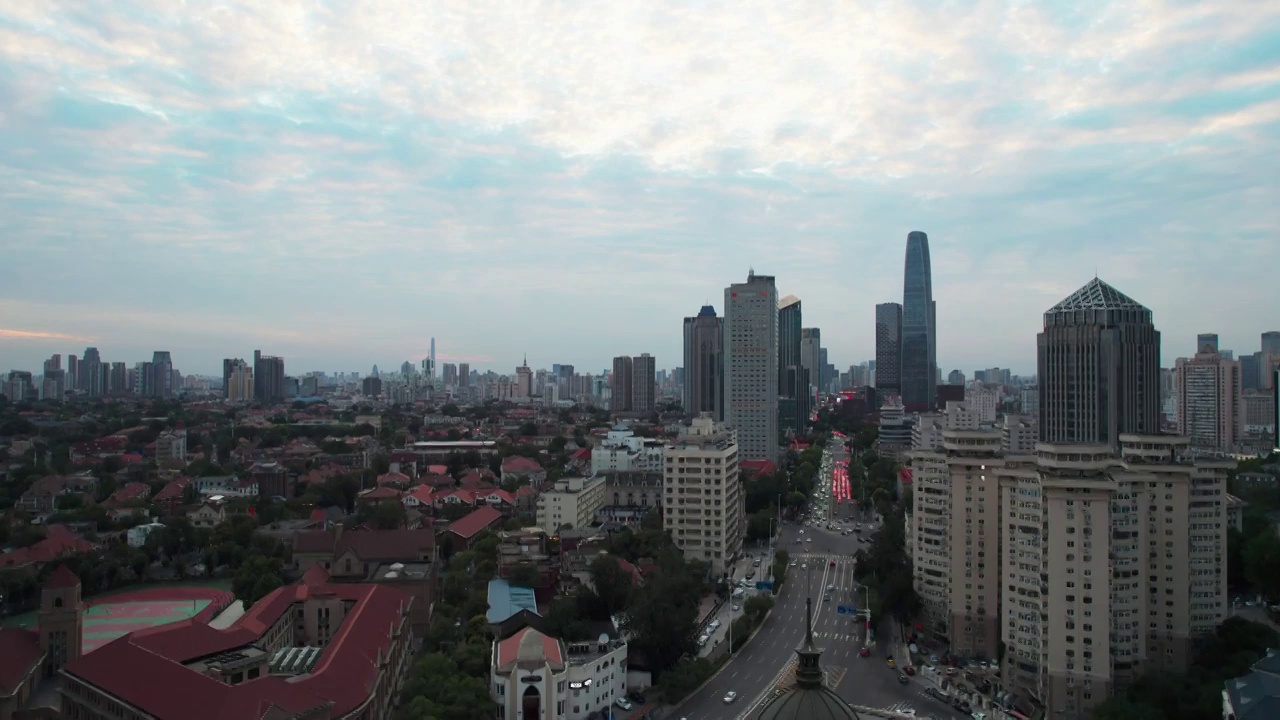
(809, 655)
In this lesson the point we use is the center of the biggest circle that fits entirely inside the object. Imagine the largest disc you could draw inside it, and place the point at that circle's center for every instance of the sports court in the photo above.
(109, 620)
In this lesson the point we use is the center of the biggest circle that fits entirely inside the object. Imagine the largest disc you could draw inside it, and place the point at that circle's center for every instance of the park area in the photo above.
(114, 615)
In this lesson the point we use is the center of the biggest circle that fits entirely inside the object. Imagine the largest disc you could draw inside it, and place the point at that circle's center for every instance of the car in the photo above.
(808, 539)
(623, 703)
(833, 563)
(903, 679)
(891, 663)
(736, 607)
(909, 670)
(864, 652)
(730, 697)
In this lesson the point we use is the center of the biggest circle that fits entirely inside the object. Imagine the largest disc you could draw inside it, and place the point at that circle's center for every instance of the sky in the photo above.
(337, 183)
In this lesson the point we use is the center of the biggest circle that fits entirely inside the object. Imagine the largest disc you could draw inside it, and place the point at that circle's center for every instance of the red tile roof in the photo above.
(370, 545)
(438, 469)
(386, 492)
(520, 464)
(525, 491)
(316, 575)
(632, 570)
(393, 478)
(19, 653)
(128, 493)
(474, 522)
(144, 668)
(59, 542)
(529, 644)
(422, 494)
(582, 454)
(761, 467)
(172, 491)
(62, 578)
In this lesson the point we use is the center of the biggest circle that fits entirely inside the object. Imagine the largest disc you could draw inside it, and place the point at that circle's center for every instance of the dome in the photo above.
(808, 697)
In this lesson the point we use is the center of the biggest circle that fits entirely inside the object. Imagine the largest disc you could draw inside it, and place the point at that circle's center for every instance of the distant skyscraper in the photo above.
(464, 374)
(118, 381)
(810, 357)
(91, 372)
(240, 385)
(643, 388)
(228, 367)
(524, 379)
(955, 378)
(622, 386)
(888, 349)
(375, 372)
(73, 372)
(268, 377)
(1207, 342)
(433, 359)
(793, 379)
(1099, 368)
(1209, 399)
(406, 368)
(751, 365)
(162, 374)
(703, 364)
(919, 332)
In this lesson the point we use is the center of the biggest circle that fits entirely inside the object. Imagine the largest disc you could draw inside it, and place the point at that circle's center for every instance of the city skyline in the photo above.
(338, 185)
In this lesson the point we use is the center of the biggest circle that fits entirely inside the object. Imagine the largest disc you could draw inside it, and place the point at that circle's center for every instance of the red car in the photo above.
(865, 652)
(833, 563)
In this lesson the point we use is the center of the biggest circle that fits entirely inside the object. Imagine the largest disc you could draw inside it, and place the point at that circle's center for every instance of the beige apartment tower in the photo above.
(1113, 564)
(1209, 392)
(703, 503)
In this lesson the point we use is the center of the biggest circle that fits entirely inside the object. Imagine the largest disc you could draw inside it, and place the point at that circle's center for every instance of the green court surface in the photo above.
(108, 621)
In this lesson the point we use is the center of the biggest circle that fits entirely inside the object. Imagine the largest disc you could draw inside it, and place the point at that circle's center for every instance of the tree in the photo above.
(662, 615)
(524, 574)
(389, 515)
(1262, 564)
(257, 577)
(756, 606)
(612, 583)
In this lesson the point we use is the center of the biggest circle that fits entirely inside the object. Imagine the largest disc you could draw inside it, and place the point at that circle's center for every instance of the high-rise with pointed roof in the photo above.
(919, 359)
(808, 698)
(1099, 368)
(704, 364)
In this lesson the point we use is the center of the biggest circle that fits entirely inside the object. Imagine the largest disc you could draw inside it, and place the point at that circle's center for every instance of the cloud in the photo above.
(11, 334)
(570, 179)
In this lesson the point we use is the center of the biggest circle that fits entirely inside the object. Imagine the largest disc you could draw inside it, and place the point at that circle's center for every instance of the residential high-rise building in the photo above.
(793, 379)
(143, 377)
(621, 384)
(268, 377)
(448, 374)
(1099, 368)
(644, 389)
(1251, 371)
(90, 380)
(751, 366)
(703, 505)
(464, 374)
(888, 349)
(162, 375)
(524, 379)
(1207, 342)
(118, 380)
(703, 364)
(19, 387)
(228, 364)
(919, 374)
(73, 372)
(240, 385)
(1210, 411)
(810, 357)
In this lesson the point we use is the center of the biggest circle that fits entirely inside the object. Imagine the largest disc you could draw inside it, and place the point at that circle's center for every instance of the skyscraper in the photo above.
(1099, 368)
(433, 359)
(90, 380)
(810, 357)
(793, 379)
(644, 391)
(268, 377)
(162, 374)
(464, 374)
(1207, 342)
(888, 349)
(751, 365)
(623, 385)
(1209, 399)
(703, 357)
(919, 341)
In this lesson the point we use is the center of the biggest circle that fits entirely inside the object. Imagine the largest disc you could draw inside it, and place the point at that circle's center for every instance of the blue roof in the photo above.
(707, 311)
(506, 600)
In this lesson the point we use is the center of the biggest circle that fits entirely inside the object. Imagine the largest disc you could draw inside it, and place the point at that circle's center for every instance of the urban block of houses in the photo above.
(42, 497)
(129, 493)
(518, 468)
(59, 542)
(170, 496)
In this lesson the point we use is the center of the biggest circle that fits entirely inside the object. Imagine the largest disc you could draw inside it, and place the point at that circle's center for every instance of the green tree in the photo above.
(256, 578)
(1262, 564)
(524, 574)
(612, 584)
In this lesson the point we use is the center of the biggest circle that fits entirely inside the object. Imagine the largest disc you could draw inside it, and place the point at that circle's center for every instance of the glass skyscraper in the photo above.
(919, 376)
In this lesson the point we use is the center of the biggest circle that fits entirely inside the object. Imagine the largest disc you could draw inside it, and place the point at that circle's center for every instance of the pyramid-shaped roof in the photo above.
(1097, 295)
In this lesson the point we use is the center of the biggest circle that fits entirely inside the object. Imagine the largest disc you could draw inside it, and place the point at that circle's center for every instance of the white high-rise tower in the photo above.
(750, 350)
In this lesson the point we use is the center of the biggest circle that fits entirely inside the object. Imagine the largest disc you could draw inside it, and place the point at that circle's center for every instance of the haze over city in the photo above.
(568, 181)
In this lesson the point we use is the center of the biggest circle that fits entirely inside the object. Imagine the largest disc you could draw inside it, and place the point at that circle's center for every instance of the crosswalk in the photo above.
(838, 637)
(821, 557)
(902, 707)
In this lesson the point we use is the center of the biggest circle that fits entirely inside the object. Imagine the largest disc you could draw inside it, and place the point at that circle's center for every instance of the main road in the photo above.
(821, 570)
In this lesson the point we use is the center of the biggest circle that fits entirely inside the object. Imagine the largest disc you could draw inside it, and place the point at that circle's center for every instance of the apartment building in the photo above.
(572, 503)
(955, 527)
(703, 503)
(1209, 399)
(1112, 565)
(621, 450)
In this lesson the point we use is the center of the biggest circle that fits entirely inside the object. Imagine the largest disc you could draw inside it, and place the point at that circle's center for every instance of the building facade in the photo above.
(888, 377)
(704, 364)
(644, 388)
(622, 385)
(810, 357)
(1099, 368)
(703, 502)
(571, 504)
(794, 398)
(533, 676)
(919, 374)
(1209, 392)
(751, 365)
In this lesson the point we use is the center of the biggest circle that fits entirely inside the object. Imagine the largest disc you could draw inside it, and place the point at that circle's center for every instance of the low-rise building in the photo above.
(208, 514)
(622, 450)
(572, 503)
(1255, 696)
(137, 535)
(518, 468)
(533, 675)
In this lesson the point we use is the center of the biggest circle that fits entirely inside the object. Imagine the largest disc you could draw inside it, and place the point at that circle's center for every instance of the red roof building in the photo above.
(752, 468)
(129, 493)
(191, 671)
(59, 542)
(171, 493)
(471, 524)
(394, 478)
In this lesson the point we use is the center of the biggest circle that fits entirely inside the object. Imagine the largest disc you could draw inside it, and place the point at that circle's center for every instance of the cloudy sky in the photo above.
(337, 182)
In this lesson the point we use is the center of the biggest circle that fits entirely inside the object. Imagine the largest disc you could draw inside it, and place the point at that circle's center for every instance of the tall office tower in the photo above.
(1113, 565)
(432, 358)
(703, 505)
(143, 376)
(1099, 368)
(703, 364)
(644, 393)
(751, 365)
(228, 364)
(524, 379)
(1210, 411)
(793, 379)
(810, 345)
(162, 369)
(448, 374)
(919, 349)
(1251, 371)
(406, 368)
(90, 380)
(464, 374)
(53, 363)
(622, 385)
(118, 382)
(53, 384)
(888, 349)
(73, 372)
(374, 372)
(240, 385)
(955, 552)
(268, 377)
(1207, 342)
(825, 370)
(955, 377)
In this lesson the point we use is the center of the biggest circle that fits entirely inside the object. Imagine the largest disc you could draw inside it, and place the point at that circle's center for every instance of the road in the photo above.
(821, 559)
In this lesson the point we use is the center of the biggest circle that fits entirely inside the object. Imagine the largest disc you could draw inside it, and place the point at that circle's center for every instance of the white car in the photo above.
(623, 703)
(730, 697)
